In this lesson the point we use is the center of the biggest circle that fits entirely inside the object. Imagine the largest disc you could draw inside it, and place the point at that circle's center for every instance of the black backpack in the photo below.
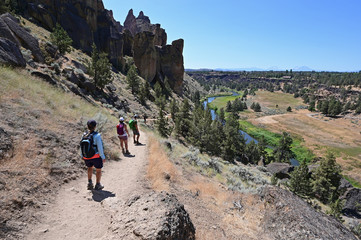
(87, 146)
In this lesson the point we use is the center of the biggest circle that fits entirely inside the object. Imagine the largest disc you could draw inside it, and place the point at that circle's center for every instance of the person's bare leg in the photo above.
(138, 138)
(121, 144)
(98, 174)
(90, 173)
(126, 144)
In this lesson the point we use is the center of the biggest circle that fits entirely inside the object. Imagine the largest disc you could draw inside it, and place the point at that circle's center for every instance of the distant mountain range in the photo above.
(295, 69)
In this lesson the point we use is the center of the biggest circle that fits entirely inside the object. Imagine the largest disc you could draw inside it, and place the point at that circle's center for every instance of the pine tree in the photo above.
(233, 142)
(311, 107)
(144, 92)
(173, 109)
(245, 105)
(289, 109)
(336, 209)
(158, 89)
(229, 106)
(60, 38)
(167, 88)
(257, 107)
(133, 79)
(103, 71)
(252, 154)
(217, 136)
(183, 120)
(283, 152)
(300, 182)
(162, 123)
(326, 179)
(100, 68)
(221, 116)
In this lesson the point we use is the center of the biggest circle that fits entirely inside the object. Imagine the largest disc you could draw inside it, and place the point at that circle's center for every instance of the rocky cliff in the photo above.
(88, 22)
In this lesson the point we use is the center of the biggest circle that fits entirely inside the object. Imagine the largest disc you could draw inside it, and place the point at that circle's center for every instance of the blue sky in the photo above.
(320, 34)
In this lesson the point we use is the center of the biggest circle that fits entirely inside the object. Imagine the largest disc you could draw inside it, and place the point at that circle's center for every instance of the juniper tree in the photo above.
(233, 142)
(229, 106)
(311, 107)
(283, 152)
(251, 154)
(289, 109)
(216, 139)
(300, 181)
(60, 38)
(326, 179)
(158, 89)
(183, 120)
(144, 92)
(173, 109)
(133, 79)
(221, 116)
(257, 107)
(162, 123)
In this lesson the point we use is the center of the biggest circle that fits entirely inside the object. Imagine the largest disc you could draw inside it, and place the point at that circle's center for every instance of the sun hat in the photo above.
(121, 119)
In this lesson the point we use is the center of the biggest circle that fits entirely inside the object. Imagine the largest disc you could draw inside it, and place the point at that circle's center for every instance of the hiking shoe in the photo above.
(135, 142)
(98, 186)
(127, 152)
(90, 186)
(123, 150)
(139, 143)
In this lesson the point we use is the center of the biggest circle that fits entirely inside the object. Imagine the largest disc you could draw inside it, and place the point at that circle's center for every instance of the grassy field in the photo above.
(221, 102)
(271, 99)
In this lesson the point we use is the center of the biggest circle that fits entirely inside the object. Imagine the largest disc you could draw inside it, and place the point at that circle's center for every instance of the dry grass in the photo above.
(271, 99)
(161, 170)
(210, 191)
(322, 134)
(17, 85)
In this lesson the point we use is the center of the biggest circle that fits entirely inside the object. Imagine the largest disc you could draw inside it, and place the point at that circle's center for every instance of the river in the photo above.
(246, 136)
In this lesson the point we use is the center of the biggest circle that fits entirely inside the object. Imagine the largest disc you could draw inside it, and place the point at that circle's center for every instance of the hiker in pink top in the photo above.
(123, 135)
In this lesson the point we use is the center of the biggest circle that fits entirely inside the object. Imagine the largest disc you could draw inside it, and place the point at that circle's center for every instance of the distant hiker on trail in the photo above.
(123, 134)
(145, 118)
(91, 146)
(133, 124)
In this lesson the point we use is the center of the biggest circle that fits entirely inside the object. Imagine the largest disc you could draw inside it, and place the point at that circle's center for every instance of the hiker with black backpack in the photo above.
(91, 146)
(133, 124)
(123, 134)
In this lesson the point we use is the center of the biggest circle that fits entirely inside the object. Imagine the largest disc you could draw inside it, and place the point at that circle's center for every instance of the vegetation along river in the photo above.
(246, 136)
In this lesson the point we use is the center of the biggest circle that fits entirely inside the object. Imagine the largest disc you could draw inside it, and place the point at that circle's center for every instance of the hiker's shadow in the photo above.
(140, 144)
(128, 155)
(100, 195)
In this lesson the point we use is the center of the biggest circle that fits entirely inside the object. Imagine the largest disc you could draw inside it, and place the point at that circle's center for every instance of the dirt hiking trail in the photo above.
(78, 213)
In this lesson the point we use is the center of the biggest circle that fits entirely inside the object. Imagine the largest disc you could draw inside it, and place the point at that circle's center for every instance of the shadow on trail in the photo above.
(140, 144)
(100, 195)
(129, 155)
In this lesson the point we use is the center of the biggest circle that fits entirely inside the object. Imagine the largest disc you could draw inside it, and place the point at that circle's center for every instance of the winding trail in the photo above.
(78, 213)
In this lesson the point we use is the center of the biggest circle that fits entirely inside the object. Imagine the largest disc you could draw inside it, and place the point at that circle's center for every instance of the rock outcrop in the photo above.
(11, 29)
(88, 22)
(289, 217)
(142, 24)
(153, 216)
(281, 170)
(352, 206)
(10, 54)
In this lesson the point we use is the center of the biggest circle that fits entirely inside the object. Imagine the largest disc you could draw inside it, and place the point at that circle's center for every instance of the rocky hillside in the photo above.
(89, 22)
